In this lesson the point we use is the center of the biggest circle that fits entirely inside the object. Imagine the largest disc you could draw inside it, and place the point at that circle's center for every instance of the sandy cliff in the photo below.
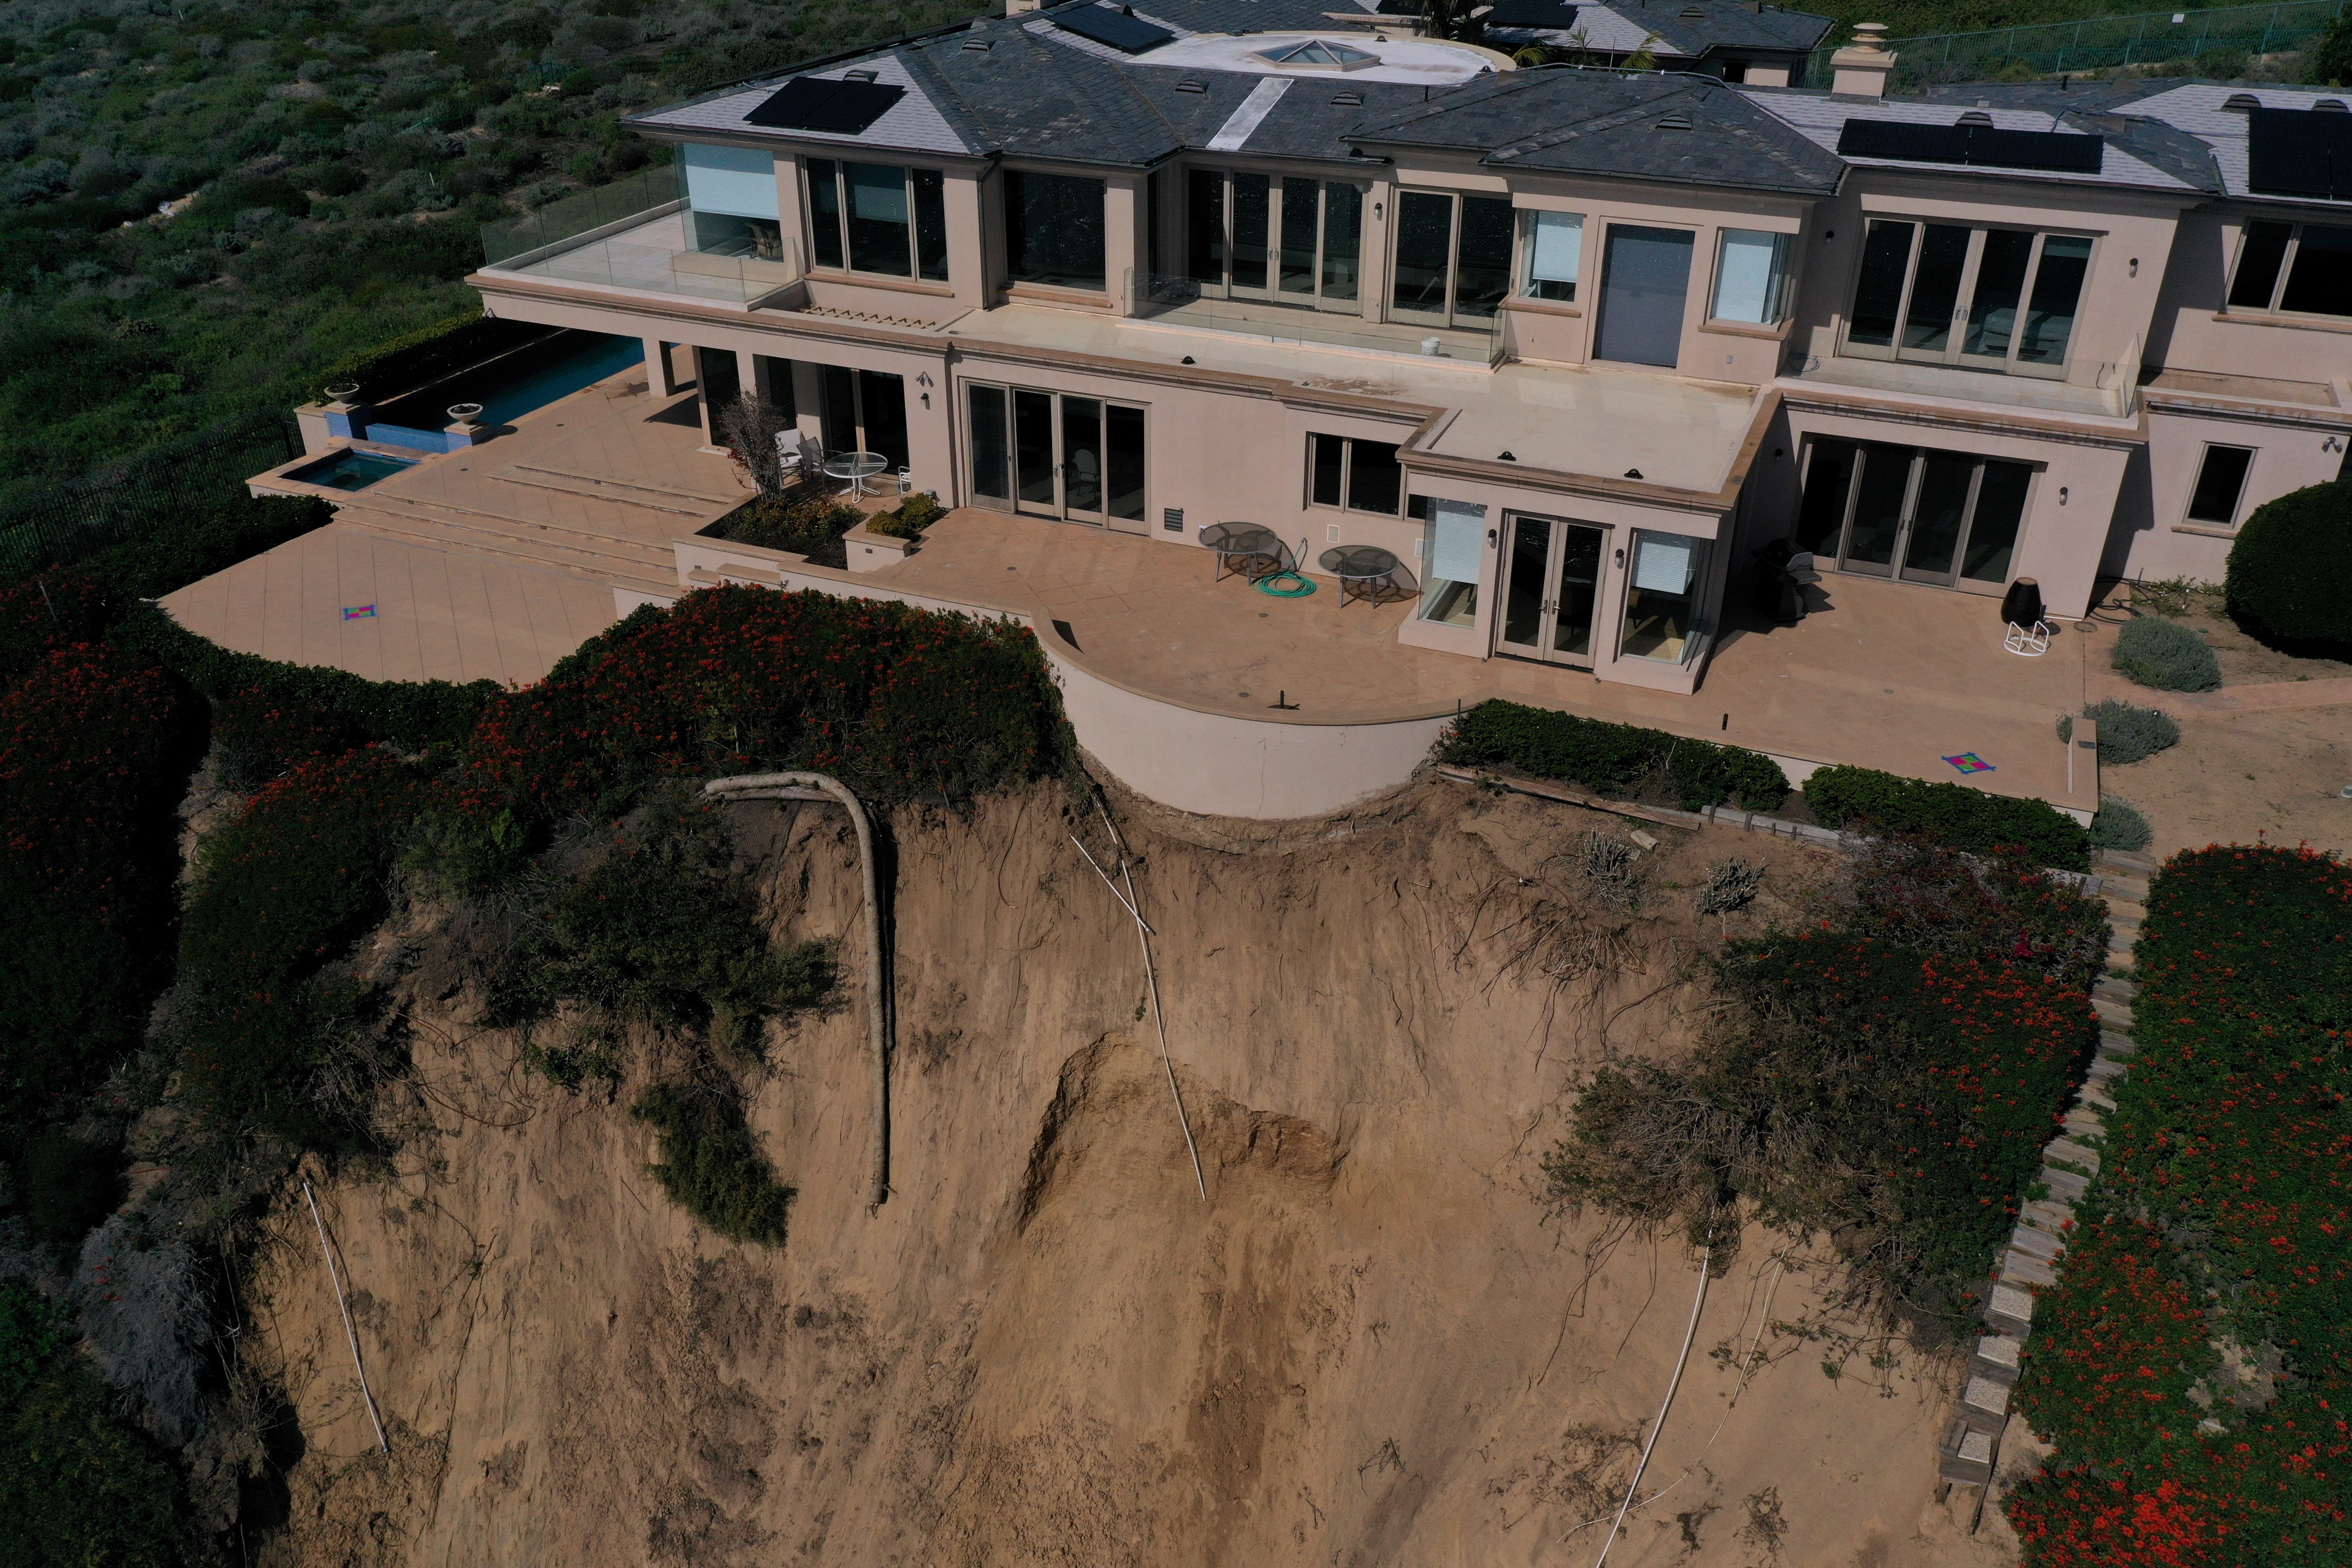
(1373, 1345)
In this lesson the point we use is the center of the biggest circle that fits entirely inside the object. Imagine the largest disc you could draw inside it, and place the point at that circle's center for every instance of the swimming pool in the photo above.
(583, 365)
(350, 470)
(515, 383)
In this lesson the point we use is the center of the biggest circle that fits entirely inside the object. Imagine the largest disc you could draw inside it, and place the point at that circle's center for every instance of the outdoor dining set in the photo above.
(1256, 553)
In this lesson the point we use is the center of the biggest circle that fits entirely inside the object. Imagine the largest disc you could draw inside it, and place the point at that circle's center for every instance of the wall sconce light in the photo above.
(2062, 495)
(927, 400)
(2135, 263)
(1621, 558)
(924, 379)
(1490, 536)
(2333, 444)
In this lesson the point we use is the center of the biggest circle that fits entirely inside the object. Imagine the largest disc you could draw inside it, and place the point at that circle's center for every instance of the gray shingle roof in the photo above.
(1603, 122)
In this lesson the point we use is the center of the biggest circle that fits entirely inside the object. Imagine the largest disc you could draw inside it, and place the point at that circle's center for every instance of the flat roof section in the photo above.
(1427, 61)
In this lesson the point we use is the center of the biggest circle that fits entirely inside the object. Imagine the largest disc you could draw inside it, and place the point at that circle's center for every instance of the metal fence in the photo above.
(2102, 43)
(123, 501)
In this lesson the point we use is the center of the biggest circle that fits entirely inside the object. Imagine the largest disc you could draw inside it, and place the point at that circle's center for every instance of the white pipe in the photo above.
(824, 786)
(350, 1334)
(1659, 1426)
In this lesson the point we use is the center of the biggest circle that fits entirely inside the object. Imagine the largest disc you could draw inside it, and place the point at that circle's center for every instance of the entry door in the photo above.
(1551, 579)
(1079, 458)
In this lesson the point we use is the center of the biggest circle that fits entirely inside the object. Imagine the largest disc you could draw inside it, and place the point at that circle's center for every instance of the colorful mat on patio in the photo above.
(1970, 763)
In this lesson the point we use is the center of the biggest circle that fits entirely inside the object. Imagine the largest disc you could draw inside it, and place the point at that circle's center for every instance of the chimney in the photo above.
(1020, 7)
(1863, 66)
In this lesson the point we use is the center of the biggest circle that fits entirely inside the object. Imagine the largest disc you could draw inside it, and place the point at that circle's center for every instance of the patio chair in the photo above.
(2028, 643)
(906, 483)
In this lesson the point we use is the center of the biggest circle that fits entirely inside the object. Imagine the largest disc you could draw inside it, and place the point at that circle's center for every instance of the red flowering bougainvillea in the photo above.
(2218, 1252)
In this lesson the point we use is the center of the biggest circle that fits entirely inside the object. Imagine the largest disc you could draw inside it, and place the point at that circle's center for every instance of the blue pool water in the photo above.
(590, 363)
(350, 470)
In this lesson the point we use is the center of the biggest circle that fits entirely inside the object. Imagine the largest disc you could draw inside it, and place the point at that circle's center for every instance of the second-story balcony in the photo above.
(1194, 305)
(641, 236)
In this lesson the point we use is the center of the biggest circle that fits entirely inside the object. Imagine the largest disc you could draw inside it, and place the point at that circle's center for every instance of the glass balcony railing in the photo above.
(638, 259)
(1207, 307)
(644, 191)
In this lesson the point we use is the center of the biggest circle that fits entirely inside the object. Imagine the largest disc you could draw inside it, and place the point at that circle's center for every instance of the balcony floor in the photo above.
(1884, 675)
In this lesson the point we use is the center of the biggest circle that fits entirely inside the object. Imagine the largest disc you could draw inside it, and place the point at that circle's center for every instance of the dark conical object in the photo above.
(2021, 605)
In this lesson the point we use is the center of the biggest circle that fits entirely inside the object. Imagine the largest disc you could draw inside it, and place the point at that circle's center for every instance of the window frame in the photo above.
(1530, 220)
(925, 200)
(1452, 316)
(1832, 552)
(1347, 475)
(1779, 292)
(1954, 351)
(1218, 249)
(2274, 300)
(2237, 500)
(1011, 178)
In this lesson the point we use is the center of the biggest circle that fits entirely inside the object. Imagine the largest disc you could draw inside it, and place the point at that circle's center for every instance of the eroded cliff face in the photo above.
(1373, 1343)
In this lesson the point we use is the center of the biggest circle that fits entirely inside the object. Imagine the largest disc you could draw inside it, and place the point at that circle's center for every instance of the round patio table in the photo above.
(1243, 548)
(1363, 569)
(856, 467)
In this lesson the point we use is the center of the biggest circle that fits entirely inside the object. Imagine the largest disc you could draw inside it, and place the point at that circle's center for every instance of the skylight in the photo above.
(1319, 54)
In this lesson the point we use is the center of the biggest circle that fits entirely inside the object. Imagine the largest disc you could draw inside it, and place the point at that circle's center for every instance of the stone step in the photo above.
(2114, 1044)
(2130, 862)
(2009, 1310)
(630, 522)
(467, 521)
(2122, 885)
(2105, 1069)
(1984, 1404)
(620, 488)
(2084, 1120)
(2114, 1015)
(2021, 1268)
(690, 510)
(2034, 1243)
(611, 573)
(2044, 1214)
(2066, 1186)
(2115, 988)
(1967, 1456)
(1996, 1357)
(2120, 959)
(2094, 1099)
(2072, 1153)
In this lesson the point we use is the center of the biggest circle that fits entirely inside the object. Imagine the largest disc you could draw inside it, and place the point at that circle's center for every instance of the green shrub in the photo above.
(2288, 567)
(2117, 824)
(712, 1165)
(806, 525)
(908, 519)
(1946, 814)
(2129, 734)
(78, 1482)
(202, 542)
(1617, 759)
(426, 354)
(2166, 656)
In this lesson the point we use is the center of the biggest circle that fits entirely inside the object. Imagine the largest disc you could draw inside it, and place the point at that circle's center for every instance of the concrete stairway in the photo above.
(644, 562)
(1971, 1449)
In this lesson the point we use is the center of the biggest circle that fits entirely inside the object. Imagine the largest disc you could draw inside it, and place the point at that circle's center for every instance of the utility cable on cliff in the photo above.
(823, 787)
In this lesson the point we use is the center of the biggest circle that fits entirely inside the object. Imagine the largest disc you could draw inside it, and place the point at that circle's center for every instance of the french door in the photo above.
(1551, 579)
(1453, 259)
(1256, 236)
(1992, 299)
(1054, 453)
(865, 411)
(1926, 516)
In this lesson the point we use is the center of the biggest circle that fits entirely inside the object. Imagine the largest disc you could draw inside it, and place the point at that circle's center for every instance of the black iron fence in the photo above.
(123, 501)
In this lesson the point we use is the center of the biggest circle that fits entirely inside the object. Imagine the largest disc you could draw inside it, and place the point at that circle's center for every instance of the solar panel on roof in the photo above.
(1118, 29)
(1548, 14)
(2299, 152)
(815, 103)
(1977, 146)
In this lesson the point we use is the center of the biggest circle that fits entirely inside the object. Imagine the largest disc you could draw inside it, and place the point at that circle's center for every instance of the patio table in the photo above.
(1363, 569)
(1244, 549)
(856, 467)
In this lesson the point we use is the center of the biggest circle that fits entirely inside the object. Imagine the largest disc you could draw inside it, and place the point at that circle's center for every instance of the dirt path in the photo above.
(1373, 1344)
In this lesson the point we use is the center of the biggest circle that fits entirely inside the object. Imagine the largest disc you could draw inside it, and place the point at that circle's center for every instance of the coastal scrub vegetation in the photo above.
(1622, 761)
(2191, 1367)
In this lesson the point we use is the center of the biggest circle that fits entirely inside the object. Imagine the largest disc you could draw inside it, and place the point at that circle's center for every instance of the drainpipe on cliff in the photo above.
(823, 787)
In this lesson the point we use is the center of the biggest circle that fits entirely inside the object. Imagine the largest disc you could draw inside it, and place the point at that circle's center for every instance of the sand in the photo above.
(1374, 1343)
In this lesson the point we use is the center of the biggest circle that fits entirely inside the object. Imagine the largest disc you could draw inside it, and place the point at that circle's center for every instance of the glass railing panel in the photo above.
(1167, 301)
(575, 215)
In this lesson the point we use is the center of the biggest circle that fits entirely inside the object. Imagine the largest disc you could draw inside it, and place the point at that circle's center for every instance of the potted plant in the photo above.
(343, 391)
(465, 413)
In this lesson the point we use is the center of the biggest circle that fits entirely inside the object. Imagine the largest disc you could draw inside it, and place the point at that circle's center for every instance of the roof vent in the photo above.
(1677, 121)
(2330, 106)
(1694, 13)
(1974, 117)
(983, 45)
(2241, 102)
(1191, 84)
(1348, 100)
(860, 76)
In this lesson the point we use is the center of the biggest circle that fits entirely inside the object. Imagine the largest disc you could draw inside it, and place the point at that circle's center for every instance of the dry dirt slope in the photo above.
(1370, 1346)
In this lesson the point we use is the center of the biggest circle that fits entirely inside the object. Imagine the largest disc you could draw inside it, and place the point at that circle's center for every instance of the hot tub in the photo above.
(352, 470)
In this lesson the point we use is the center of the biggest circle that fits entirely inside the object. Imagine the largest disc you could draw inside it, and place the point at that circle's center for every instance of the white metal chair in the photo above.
(2028, 644)
(906, 483)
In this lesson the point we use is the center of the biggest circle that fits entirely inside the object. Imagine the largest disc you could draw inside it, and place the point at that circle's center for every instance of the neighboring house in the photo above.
(1573, 344)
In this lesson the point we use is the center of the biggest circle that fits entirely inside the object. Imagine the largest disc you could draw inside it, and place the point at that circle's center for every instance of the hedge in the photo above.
(1617, 759)
(2221, 1215)
(426, 354)
(2288, 565)
(1948, 814)
(2166, 656)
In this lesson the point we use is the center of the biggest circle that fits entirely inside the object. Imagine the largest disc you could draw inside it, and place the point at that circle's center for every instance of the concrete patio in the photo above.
(1884, 675)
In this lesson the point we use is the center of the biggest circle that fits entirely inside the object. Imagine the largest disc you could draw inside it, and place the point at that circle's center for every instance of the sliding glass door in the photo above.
(1551, 577)
(1056, 455)
(1291, 241)
(1453, 259)
(866, 410)
(1991, 299)
(1950, 519)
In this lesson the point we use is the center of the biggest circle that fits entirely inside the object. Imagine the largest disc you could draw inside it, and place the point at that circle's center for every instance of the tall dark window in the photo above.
(1644, 283)
(878, 217)
(2299, 267)
(1295, 240)
(1992, 299)
(1054, 230)
(1359, 476)
(865, 411)
(1452, 256)
(2220, 482)
(1922, 514)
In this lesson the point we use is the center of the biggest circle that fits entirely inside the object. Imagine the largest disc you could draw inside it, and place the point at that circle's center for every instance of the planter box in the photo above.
(873, 552)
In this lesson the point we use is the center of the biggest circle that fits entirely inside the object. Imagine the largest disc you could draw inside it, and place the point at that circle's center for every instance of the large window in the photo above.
(1554, 247)
(1946, 518)
(1361, 476)
(878, 217)
(1644, 281)
(1751, 277)
(2301, 269)
(1261, 237)
(1058, 455)
(1661, 598)
(1995, 299)
(1453, 257)
(1054, 230)
(2221, 485)
(731, 202)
